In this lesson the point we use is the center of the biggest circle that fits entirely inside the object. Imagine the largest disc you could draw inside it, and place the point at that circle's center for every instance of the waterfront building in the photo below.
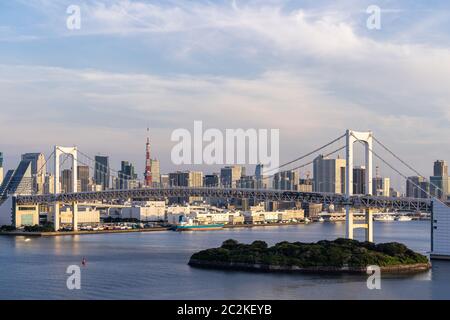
(84, 216)
(38, 170)
(102, 172)
(230, 175)
(145, 211)
(440, 232)
(329, 175)
(19, 182)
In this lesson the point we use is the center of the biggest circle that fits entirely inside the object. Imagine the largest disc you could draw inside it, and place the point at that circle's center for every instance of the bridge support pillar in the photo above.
(348, 223)
(56, 216)
(369, 225)
(75, 216)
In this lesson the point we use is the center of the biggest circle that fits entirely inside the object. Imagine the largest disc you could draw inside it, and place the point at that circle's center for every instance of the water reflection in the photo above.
(154, 266)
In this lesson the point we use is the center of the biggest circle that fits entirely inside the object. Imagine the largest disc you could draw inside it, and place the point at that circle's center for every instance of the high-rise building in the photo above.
(66, 181)
(127, 176)
(440, 168)
(38, 170)
(186, 179)
(286, 180)
(211, 180)
(156, 175)
(83, 178)
(417, 187)
(49, 184)
(247, 182)
(305, 185)
(165, 181)
(359, 180)
(230, 175)
(440, 182)
(329, 175)
(262, 181)
(102, 171)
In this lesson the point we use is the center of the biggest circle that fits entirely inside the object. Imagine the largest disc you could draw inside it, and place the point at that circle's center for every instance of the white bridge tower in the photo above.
(73, 152)
(366, 138)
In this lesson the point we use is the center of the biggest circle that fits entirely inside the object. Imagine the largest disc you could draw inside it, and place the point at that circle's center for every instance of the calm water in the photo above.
(154, 266)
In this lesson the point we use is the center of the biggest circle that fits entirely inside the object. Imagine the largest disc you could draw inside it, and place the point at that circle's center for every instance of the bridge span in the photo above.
(357, 201)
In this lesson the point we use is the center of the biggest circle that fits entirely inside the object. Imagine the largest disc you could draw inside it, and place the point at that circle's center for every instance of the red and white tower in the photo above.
(148, 163)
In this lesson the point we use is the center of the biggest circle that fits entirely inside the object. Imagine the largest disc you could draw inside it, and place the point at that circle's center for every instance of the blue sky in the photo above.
(310, 68)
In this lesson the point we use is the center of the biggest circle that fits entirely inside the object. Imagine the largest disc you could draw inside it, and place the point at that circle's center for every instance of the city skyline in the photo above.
(393, 83)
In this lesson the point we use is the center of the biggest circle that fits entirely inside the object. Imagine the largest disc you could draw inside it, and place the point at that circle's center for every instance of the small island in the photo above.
(338, 256)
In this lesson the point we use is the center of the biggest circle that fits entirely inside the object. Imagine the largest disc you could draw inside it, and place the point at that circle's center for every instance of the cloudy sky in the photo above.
(310, 68)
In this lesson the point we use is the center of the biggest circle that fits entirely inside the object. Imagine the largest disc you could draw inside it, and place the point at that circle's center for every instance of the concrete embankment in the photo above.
(396, 269)
(73, 233)
(231, 226)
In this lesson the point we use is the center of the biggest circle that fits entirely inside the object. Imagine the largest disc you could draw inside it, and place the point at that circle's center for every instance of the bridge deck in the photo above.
(361, 201)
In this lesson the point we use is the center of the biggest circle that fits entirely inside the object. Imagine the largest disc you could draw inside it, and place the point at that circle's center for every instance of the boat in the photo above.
(404, 218)
(321, 219)
(384, 218)
(307, 220)
(198, 227)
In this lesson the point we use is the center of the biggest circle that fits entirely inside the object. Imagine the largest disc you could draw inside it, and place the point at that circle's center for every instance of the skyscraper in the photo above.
(286, 180)
(359, 180)
(417, 187)
(156, 176)
(66, 181)
(439, 182)
(329, 175)
(211, 180)
(230, 175)
(127, 176)
(262, 181)
(38, 170)
(102, 171)
(440, 168)
(83, 178)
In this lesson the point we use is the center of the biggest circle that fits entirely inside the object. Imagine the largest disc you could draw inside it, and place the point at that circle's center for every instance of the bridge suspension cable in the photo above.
(405, 163)
(393, 168)
(306, 155)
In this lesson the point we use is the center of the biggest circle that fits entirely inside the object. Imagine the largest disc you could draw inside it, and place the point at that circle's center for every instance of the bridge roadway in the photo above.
(357, 201)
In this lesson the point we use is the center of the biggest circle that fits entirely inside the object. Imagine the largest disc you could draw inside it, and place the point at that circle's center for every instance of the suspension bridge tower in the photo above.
(73, 152)
(366, 139)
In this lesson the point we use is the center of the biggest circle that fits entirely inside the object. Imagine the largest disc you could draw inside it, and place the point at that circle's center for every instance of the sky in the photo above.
(310, 68)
